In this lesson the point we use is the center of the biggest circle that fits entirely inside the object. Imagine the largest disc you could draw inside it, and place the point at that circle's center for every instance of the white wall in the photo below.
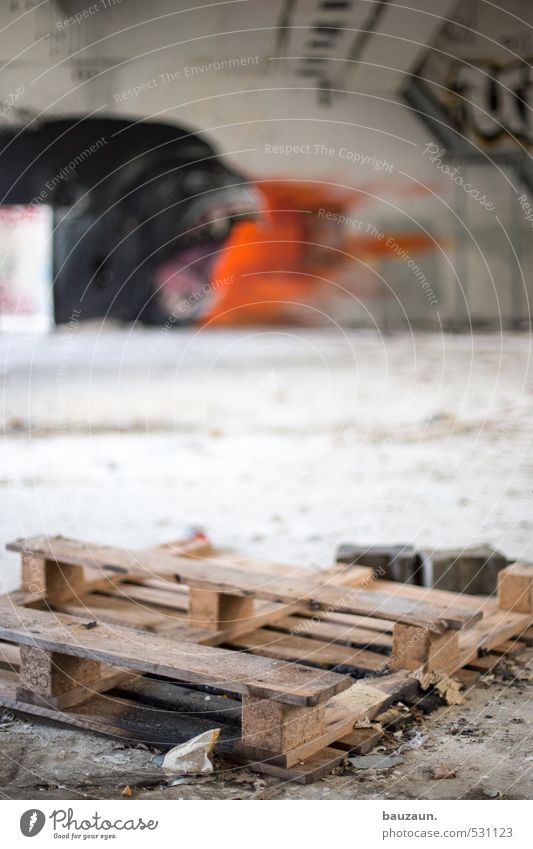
(247, 110)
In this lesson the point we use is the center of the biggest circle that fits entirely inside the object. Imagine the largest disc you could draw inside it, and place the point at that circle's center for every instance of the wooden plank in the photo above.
(118, 610)
(496, 627)
(275, 644)
(174, 596)
(170, 595)
(431, 595)
(509, 648)
(90, 557)
(211, 574)
(307, 771)
(131, 649)
(269, 612)
(232, 615)
(104, 560)
(336, 632)
(352, 620)
(339, 574)
(21, 598)
(347, 576)
(153, 617)
(485, 663)
(360, 741)
(265, 613)
(9, 656)
(157, 592)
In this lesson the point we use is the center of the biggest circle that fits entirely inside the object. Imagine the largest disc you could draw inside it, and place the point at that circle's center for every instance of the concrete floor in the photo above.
(283, 443)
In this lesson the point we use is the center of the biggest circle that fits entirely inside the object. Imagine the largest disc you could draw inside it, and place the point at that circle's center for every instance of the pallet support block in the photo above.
(57, 581)
(215, 610)
(33, 579)
(515, 588)
(415, 648)
(277, 727)
(58, 679)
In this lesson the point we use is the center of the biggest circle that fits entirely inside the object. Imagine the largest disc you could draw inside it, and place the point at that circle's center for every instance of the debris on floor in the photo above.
(191, 758)
(376, 761)
(445, 686)
(440, 771)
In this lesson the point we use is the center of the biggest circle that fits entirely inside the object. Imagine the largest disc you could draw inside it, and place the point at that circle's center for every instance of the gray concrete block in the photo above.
(391, 562)
(467, 570)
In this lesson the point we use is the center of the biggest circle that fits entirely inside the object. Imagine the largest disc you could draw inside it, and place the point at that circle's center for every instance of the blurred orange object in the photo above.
(283, 267)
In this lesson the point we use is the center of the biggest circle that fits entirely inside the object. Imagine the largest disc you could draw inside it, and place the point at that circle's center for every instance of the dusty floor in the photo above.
(282, 443)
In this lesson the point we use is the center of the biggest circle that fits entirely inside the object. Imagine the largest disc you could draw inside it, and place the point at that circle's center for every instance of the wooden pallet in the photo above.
(132, 642)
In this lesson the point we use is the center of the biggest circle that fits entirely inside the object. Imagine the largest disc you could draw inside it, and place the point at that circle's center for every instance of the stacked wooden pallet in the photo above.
(163, 643)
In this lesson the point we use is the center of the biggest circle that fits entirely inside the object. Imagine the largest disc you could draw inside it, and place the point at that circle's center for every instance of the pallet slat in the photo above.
(335, 632)
(125, 647)
(275, 644)
(211, 574)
